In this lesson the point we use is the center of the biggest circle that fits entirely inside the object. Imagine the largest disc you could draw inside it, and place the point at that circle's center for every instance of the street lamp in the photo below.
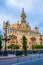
(5, 39)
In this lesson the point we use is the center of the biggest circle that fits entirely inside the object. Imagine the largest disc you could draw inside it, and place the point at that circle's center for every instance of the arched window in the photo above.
(8, 30)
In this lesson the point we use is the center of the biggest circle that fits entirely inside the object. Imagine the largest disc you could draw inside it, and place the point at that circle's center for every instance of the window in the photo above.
(26, 33)
(15, 31)
(8, 30)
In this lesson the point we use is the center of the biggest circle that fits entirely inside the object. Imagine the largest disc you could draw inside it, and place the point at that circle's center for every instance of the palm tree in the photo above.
(24, 42)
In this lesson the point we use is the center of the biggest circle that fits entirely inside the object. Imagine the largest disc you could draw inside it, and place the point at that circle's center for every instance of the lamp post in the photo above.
(5, 39)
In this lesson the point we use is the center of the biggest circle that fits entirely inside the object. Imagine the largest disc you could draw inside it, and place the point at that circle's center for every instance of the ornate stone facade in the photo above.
(17, 30)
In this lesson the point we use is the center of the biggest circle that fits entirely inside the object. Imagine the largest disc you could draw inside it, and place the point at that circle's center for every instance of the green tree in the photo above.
(37, 46)
(0, 43)
(33, 46)
(24, 42)
(11, 46)
(16, 46)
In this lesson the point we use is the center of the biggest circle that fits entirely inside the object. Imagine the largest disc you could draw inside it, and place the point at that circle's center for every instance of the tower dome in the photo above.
(23, 13)
(23, 16)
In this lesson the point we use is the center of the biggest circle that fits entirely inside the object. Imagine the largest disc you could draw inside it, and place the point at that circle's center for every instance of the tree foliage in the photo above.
(12, 46)
(24, 42)
(16, 47)
(37, 46)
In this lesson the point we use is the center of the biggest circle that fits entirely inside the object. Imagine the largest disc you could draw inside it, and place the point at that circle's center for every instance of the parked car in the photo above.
(0, 52)
(34, 51)
(40, 51)
(5, 53)
(17, 53)
(29, 51)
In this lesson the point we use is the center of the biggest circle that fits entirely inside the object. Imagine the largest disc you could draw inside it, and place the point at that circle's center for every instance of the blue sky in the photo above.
(11, 10)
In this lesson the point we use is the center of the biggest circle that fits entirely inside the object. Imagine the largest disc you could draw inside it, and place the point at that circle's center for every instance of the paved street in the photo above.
(31, 60)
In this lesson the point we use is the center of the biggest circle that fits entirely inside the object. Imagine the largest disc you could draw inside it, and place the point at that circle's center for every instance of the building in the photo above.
(17, 30)
(42, 39)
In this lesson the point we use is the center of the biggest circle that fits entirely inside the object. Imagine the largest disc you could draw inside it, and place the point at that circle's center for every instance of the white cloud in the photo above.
(31, 6)
(5, 17)
(27, 5)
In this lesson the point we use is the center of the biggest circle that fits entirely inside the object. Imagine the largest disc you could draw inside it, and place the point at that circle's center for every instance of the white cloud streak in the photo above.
(28, 5)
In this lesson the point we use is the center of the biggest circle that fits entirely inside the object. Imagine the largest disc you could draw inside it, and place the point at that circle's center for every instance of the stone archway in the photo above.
(13, 39)
(33, 41)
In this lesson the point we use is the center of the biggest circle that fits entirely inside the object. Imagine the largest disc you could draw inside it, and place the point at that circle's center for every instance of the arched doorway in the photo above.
(33, 41)
(13, 39)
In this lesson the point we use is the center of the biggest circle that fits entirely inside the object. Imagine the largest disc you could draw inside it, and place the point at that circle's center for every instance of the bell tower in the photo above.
(23, 16)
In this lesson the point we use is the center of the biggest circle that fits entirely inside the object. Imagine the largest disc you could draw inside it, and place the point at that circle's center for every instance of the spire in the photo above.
(23, 16)
(22, 9)
(23, 13)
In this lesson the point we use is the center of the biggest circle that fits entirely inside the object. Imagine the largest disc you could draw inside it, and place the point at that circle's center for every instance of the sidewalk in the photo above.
(7, 57)
(10, 56)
